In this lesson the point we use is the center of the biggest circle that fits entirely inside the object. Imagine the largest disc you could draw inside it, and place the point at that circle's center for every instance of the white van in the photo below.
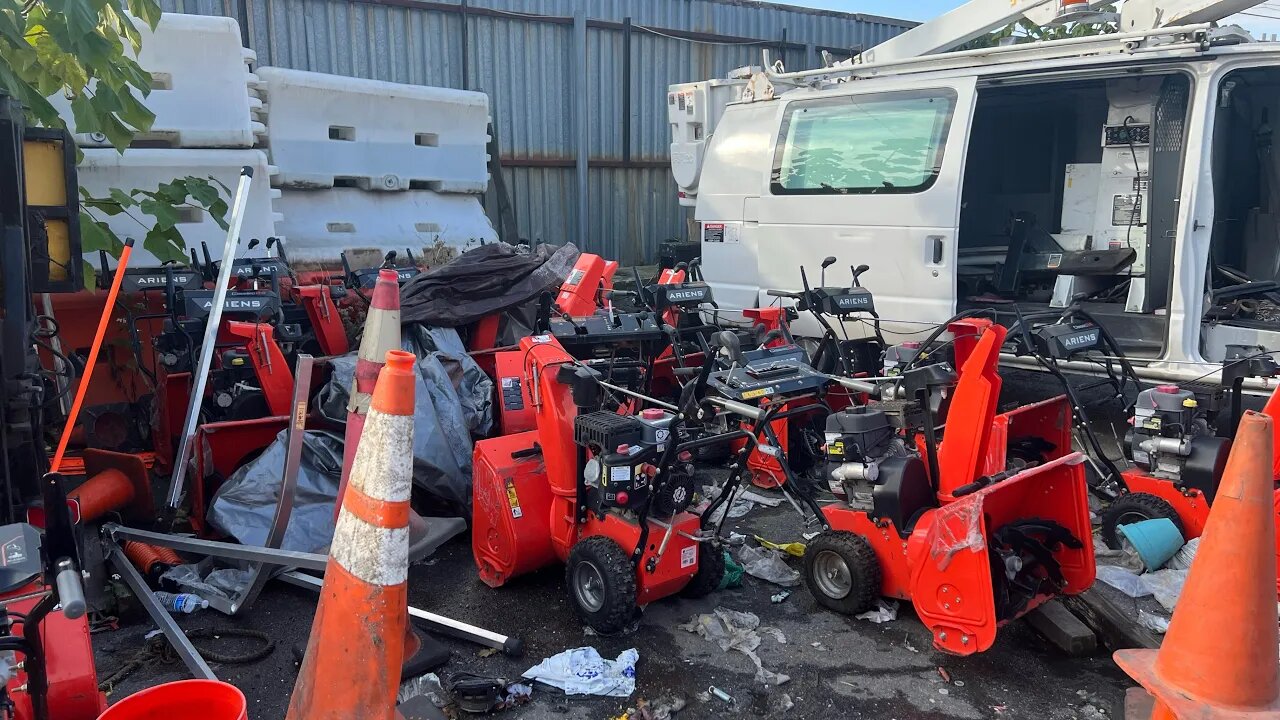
(1135, 170)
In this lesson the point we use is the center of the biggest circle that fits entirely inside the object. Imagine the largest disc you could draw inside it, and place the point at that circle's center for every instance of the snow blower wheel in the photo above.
(710, 572)
(842, 572)
(602, 584)
(1133, 508)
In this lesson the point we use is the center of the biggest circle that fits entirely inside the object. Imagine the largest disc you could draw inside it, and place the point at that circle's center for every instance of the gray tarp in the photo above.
(452, 403)
(245, 504)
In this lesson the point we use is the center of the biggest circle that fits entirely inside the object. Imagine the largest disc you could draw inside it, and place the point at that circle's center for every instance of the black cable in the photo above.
(937, 332)
(1137, 205)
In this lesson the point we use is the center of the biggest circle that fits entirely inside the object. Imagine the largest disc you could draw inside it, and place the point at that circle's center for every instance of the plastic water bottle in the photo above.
(186, 603)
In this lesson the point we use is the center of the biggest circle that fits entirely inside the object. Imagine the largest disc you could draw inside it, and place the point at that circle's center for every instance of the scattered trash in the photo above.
(946, 676)
(1102, 550)
(794, 549)
(1126, 581)
(661, 709)
(774, 633)
(581, 671)
(768, 565)
(906, 643)
(737, 539)
(202, 580)
(999, 709)
(958, 683)
(1153, 622)
(783, 703)
(732, 572)
(734, 630)
(810, 535)
(487, 652)
(428, 684)
(818, 646)
(1182, 560)
(943, 691)
(886, 611)
(761, 499)
(720, 694)
(780, 597)
(184, 603)
(1166, 585)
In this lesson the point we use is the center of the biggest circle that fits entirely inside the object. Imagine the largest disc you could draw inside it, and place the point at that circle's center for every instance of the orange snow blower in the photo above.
(605, 493)
(975, 530)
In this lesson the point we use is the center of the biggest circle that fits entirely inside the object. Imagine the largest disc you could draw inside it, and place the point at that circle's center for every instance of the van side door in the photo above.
(871, 176)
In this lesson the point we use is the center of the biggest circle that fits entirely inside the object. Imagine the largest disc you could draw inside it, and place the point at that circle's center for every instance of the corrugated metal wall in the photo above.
(526, 55)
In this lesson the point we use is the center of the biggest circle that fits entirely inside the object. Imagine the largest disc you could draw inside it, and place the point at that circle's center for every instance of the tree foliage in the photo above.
(1024, 30)
(86, 50)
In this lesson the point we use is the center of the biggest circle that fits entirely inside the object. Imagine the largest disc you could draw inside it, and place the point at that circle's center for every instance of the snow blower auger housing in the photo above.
(606, 494)
(971, 546)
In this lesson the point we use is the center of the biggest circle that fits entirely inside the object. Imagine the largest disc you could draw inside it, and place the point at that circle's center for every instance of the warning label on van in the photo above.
(721, 232)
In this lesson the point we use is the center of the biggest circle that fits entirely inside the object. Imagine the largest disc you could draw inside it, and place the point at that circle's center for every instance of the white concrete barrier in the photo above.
(200, 86)
(145, 168)
(328, 131)
(320, 224)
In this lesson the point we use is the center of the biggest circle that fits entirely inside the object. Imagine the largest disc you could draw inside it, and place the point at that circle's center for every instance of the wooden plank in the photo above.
(1115, 626)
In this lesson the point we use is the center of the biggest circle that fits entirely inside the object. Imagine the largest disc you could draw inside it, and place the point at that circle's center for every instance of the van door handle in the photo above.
(937, 241)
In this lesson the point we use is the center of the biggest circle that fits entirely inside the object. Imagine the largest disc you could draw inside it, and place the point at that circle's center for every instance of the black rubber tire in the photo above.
(710, 571)
(859, 559)
(1132, 507)
(618, 584)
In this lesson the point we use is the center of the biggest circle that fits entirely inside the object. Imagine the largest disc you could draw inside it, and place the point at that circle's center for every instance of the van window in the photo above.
(864, 144)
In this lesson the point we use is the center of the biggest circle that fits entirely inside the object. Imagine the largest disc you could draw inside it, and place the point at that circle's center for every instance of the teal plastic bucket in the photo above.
(1156, 541)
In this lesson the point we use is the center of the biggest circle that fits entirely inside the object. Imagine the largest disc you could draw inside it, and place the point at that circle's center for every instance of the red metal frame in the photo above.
(579, 294)
(331, 335)
(274, 376)
(221, 448)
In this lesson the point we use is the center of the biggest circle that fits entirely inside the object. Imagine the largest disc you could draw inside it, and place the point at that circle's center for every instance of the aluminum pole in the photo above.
(201, 372)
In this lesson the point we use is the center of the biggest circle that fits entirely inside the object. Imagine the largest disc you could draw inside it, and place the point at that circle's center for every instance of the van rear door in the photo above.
(734, 173)
(871, 176)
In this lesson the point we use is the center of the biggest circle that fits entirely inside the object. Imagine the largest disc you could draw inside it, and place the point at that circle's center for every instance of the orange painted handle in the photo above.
(93, 355)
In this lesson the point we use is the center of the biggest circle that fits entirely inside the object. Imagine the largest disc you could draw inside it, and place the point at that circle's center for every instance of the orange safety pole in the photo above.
(93, 354)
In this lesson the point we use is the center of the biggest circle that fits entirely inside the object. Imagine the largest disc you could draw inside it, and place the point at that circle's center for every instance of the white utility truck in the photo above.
(1131, 171)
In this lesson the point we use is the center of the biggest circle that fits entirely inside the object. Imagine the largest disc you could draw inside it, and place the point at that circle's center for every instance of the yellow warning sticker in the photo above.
(513, 500)
(759, 392)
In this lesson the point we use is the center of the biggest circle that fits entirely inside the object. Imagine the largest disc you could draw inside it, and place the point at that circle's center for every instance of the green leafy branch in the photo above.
(80, 48)
(1024, 28)
(162, 205)
(86, 50)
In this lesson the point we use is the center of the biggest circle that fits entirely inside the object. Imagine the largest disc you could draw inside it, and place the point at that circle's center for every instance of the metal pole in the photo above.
(626, 90)
(231, 551)
(581, 113)
(201, 372)
(288, 483)
(465, 46)
(454, 628)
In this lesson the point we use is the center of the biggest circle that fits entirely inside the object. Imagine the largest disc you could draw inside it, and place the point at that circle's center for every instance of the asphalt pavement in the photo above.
(838, 667)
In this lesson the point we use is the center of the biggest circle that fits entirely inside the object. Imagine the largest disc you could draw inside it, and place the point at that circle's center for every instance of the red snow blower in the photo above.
(975, 530)
(605, 493)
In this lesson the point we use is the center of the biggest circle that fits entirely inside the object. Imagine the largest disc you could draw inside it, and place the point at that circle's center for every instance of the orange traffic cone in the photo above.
(381, 335)
(1219, 658)
(352, 665)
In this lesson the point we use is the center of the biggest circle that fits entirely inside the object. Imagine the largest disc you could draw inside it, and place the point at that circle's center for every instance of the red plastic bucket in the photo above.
(185, 699)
